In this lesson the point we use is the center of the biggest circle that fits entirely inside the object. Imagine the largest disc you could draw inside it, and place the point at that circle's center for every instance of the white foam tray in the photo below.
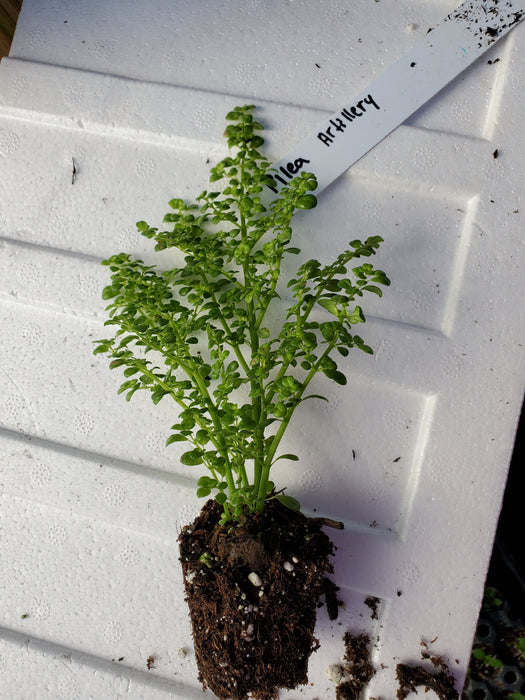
(412, 455)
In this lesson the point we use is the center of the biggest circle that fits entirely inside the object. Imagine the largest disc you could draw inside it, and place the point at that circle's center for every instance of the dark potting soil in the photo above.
(253, 589)
(440, 680)
(357, 666)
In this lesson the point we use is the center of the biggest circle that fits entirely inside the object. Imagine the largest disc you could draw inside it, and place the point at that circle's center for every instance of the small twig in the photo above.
(336, 524)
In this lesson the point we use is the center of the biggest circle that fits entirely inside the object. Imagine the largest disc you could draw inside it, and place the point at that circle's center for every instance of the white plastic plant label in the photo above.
(444, 53)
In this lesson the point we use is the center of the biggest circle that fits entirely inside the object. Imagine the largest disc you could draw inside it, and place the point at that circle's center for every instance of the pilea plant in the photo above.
(235, 379)
(236, 348)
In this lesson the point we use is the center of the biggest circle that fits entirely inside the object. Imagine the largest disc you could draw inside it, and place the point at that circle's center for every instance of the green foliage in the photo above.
(235, 380)
(492, 599)
(485, 658)
(520, 644)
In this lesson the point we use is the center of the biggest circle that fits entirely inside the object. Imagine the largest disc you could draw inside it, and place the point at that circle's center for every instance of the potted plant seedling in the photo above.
(199, 335)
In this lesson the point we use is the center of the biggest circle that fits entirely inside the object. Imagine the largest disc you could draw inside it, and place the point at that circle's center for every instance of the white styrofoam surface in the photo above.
(91, 500)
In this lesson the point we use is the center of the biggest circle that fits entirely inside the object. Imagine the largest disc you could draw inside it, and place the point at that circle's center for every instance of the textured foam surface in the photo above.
(412, 455)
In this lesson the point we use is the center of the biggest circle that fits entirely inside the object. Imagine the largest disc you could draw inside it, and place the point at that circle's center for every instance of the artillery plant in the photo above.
(236, 380)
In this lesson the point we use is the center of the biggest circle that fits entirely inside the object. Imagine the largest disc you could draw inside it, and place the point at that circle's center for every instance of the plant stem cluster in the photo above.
(207, 321)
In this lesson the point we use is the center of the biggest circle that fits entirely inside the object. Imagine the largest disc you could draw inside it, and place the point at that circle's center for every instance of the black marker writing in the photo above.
(347, 115)
(288, 171)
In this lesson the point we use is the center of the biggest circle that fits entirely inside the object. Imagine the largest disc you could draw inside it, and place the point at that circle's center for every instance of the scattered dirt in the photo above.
(253, 589)
(357, 666)
(374, 604)
(487, 22)
(439, 679)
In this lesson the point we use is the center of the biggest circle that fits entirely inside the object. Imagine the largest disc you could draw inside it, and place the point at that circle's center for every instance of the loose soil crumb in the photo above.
(357, 666)
(441, 681)
(254, 638)
(332, 603)
(374, 605)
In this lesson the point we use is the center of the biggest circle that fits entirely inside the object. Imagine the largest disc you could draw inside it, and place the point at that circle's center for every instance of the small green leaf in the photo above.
(307, 201)
(203, 492)
(109, 292)
(100, 349)
(374, 289)
(328, 330)
(290, 383)
(279, 410)
(131, 383)
(360, 343)
(131, 392)
(158, 394)
(176, 437)
(289, 501)
(130, 371)
(192, 458)
(221, 497)
(315, 396)
(329, 305)
(116, 363)
(202, 437)
(336, 376)
(357, 316)
(291, 457)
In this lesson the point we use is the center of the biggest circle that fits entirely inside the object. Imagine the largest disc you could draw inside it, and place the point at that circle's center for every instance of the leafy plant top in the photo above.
(236, 381)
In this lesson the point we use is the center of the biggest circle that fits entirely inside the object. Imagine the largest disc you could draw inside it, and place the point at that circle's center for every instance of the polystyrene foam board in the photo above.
(412, 455)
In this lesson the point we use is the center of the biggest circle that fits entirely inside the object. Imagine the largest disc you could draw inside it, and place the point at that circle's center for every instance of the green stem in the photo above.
(265, 475)
(256, 386)
(212, 409)
(243, 475)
